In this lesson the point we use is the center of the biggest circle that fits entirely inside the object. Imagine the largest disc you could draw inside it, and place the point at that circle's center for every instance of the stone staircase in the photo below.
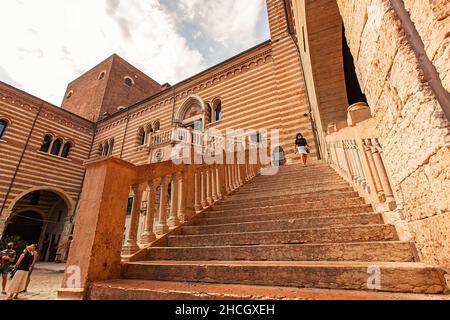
(302, 234)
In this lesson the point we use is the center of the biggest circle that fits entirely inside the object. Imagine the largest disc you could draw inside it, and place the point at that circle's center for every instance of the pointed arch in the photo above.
(187, 105)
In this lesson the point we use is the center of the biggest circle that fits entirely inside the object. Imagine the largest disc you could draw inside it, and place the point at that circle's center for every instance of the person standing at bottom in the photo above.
(7, 256)
(23, 267)
(35, 257)
(302, 148)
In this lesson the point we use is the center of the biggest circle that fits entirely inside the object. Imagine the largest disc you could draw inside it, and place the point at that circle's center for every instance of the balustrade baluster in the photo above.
(173, 221)
(389, 194)
(198, 192)
(204, 189)
(148, 236)
(181, 198)
(162, 227)
(131, 245)
(209, 198)
(376, 177)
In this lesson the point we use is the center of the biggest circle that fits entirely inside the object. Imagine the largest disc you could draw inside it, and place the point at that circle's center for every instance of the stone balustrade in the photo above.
(172, 193)
(356, 154)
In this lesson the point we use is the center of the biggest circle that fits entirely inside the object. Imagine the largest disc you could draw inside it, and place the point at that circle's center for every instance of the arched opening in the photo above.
(66, 150)
(128, 82)
(26, 226)
(106, 149)
(218, 111)
(141, 137)
(354, 92)
(3, 125)
(56, 148)
(45, 147)
(192, 114)
(40, 217)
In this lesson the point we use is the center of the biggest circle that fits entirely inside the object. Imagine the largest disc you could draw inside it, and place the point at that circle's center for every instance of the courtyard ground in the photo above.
(45, 282)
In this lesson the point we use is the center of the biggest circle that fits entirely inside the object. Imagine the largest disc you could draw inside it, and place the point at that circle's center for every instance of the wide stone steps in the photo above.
(301, 234)
(293, 187)
(279, 195)
(269, 214)
(145, 290)
(403, 277)
(297, 199)
(273, 206)
(393, 251)
(240, 194)
(287, 224)
(322, 235)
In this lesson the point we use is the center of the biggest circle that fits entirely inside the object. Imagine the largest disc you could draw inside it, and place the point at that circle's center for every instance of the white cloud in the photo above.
(233, 23)
(51, 42)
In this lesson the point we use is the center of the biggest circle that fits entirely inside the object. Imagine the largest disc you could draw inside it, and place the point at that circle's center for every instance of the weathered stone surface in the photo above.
(166, 290)
(442, 62)
(396, 277)
(432, 21)
(433, 238)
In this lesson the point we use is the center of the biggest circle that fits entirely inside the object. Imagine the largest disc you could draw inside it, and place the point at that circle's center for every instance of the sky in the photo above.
(48, 43)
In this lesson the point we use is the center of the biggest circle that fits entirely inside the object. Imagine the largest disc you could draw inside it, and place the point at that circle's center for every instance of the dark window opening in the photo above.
(3, 125)
(304, 39)
(130, 205)
(46, 143)
(66, 150)
(128, 82)
(218, 112)
(354, 92)
(56, 147)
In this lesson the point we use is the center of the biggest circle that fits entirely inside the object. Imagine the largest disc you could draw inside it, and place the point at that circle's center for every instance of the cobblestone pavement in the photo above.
(43, 286)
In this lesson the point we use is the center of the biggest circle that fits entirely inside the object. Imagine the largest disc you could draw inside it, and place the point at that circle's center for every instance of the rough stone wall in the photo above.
(410, 122)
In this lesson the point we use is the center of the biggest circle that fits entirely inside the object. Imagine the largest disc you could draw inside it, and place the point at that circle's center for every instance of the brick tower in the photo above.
(112, 84)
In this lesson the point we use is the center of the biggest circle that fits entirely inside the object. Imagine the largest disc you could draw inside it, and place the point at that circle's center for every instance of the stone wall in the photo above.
(410, 122)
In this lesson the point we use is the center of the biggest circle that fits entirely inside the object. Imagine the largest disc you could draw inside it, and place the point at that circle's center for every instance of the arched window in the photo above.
(101, 76)
(128, 81)
(157, 126)
(46, 143)
(69, 95)
(218, 111)
(100, 150)
(105, 149)
(66, 150)
(3, 125)
(111, 147)
(56, 147)
(141, 137)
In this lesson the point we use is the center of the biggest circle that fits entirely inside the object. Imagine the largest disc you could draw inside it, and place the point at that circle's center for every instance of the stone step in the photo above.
(291, 184)
(403, 277)
(292, 214)
(365, 251)
(285, 200)
(288, 190)
(146, 290)
(275, 207)
(288, 224)
(275, 195)
(298, 178)
(303, 236)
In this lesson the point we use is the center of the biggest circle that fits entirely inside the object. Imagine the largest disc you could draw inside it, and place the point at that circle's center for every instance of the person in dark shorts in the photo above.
(7, 257)
(302, 148)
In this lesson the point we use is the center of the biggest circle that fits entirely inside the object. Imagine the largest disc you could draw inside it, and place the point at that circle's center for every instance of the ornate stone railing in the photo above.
(98, 247)
(176, 135)
(355, 153)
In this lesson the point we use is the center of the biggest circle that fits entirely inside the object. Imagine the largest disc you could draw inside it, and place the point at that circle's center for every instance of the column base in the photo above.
(148, 238)
(161, 229)
(198, 208)
(128, 250)
(173, 223)
(72, 294)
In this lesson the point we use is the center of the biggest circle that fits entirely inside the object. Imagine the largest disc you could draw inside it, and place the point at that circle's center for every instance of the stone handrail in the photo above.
(356, 154)
(96, 252)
